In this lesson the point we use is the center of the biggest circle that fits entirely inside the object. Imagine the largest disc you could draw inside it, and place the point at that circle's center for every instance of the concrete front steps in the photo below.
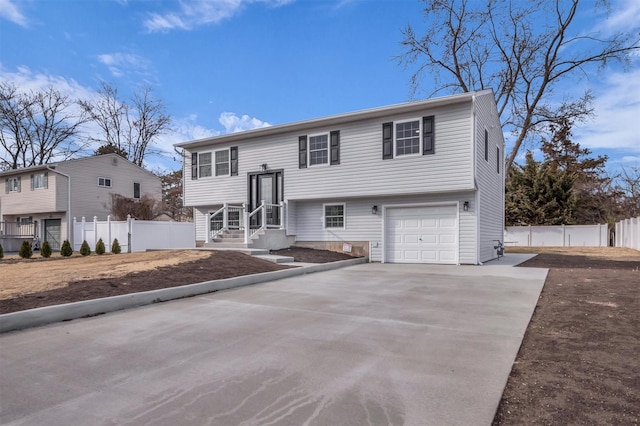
(259, 246)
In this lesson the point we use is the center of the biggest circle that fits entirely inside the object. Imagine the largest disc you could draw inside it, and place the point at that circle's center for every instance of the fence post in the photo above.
(84, 229)
(95, 230)
(129, 232)
(109, 233)
(247, 230)
(564, 237)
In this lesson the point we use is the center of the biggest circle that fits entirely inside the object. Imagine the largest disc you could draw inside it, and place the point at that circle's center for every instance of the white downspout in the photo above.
(69, 225)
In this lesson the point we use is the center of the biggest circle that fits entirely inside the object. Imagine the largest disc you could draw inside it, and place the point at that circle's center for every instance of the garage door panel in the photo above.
(421, 234)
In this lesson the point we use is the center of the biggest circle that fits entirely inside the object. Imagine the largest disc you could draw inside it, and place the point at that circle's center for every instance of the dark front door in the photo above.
(267, 187)
(52, 232)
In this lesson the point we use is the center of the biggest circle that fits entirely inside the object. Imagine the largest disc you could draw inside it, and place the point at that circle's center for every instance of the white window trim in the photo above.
(344, 216)
(35, 180)
(395, 141)
(105, 179)
(215, 164)
(328, 135)
(14, 184)
(211, 164)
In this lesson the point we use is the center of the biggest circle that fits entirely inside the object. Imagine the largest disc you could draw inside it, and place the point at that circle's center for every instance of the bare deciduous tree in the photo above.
(521, 49)
(37, 127)
(130, 127)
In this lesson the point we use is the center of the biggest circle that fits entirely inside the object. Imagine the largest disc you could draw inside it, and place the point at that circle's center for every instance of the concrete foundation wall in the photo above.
(358, 248)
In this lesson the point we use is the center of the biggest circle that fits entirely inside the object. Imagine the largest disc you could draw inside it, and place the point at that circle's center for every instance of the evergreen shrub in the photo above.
(100, 247)
(45, 250)
(25, 250)
(85, 250)
(66, 249)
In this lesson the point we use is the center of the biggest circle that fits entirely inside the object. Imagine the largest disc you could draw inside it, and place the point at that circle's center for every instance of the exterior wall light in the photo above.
(465, 206)
(374, 210)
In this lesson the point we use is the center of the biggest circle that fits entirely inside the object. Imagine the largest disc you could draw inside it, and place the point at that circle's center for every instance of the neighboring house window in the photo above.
(486, 145)
(318, 149)
(334, 216)
(194, 166)
(205, 164)
(12, 184)
(408, 138)
(498, 159)
(25, 220)
(136, 190)
(39, 181)
(104, 182)
(222, 163)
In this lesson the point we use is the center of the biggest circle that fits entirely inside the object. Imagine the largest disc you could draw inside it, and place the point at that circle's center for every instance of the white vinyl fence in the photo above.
(628, 233)
(557, 236)
(134, 235)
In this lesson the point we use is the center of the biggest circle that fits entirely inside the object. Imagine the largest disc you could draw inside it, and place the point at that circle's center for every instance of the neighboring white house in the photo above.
(36, 200)
(419, 182)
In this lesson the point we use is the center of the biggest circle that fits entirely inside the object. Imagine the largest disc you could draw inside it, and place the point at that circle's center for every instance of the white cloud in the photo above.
(201, 12)
(233, 123)
(617, 108)
(625, 14)
(10, 12)
(120, 63)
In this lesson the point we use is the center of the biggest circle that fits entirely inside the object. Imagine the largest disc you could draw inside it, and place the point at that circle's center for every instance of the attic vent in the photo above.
(114, 161)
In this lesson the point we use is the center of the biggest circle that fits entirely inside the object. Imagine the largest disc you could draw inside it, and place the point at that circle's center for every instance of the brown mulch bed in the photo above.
(579, 360)
(218, 265)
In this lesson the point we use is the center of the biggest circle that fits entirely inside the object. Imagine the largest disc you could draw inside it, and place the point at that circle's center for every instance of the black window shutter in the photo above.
(46, 179)
(335, 147)
(498, 159)
(486, 145)
(32, 183)
(428, 136)
(19, 184)
(234, 160)
(302, 152)
(6, 185)
(194, 166)
(387, 141)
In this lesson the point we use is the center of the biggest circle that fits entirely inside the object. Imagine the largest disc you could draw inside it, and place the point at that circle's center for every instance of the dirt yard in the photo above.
(579, 360)
(37, 282)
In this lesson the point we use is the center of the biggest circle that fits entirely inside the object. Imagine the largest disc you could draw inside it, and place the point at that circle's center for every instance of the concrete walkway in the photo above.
(366, 344)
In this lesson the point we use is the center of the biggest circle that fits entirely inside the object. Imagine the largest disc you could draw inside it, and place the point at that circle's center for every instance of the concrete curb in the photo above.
(51, 314)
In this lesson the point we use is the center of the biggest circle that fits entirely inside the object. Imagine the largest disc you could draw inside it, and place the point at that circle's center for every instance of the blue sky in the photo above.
(229, 65)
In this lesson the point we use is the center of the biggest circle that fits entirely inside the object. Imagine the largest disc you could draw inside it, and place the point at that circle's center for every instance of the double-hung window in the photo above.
(104, 182)
(12, 184)
(408, 137)
(319, 149)
(204, 160)
(222, 162)
(334, 216)
(39, 181)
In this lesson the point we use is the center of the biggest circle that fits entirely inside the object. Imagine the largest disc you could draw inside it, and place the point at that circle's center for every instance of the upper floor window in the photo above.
(334, 216)
(136, 190)
(39, 181)
(498, 159)
(408, 137)
(104, 182)
(319, 149)
(222, 163)
(12, 184)
(205, 164)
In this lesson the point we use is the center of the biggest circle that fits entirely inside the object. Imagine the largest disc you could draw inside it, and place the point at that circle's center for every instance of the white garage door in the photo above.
(421, 234)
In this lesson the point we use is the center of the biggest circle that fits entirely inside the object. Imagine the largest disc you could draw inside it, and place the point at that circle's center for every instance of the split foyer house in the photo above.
(41, 201)
(419, 182)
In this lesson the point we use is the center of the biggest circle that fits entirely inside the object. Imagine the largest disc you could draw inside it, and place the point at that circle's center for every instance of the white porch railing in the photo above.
(234, 217)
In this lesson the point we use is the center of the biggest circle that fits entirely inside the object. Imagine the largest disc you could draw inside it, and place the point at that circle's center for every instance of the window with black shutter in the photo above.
(486, 145)
(234, 161)
(335, 147)
(194, 166)
(387, 141)
(428, 137)
(302, 152)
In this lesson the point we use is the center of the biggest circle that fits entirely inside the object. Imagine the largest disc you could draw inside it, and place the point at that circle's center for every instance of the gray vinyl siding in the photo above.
(361, 171)
(362, 225)
(490, 194)
(89, 200)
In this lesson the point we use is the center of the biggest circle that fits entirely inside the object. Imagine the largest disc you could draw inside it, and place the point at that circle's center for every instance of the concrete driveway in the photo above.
(367, 344)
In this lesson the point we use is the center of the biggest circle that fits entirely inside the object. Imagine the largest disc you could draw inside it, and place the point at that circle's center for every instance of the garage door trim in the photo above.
(455, 204)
